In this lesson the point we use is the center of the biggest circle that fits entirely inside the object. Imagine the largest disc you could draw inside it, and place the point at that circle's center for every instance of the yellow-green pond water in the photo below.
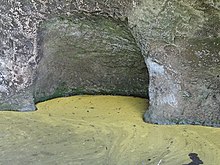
(100, 130)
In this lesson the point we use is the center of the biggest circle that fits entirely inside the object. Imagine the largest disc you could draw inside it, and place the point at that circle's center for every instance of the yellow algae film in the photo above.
(101, 130)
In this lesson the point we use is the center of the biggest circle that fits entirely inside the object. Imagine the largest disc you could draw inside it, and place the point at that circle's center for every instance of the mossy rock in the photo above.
(89, 54)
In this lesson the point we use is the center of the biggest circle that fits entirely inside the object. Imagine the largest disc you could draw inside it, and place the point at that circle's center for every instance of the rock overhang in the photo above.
(165, 32)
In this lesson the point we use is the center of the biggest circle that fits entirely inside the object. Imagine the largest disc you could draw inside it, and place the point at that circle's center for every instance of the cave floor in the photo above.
(100, 130)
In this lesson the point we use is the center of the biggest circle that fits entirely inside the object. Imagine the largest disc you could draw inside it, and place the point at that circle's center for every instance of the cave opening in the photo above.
(86, 54)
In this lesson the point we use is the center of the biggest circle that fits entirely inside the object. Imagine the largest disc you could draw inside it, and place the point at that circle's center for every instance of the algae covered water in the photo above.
(101, 130)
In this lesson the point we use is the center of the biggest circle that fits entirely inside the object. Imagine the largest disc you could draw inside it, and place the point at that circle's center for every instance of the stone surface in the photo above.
(182, 50)
(19, 56)
(88, 54)
(179, 40)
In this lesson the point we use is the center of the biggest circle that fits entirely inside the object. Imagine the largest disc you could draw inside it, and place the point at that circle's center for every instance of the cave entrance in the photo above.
(86, 54)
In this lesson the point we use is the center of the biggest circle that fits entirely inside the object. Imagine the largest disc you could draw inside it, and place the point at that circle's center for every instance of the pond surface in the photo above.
(101, 130)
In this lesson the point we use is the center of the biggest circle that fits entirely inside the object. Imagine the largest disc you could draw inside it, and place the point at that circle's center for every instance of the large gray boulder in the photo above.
(181, 44)
(20, 22)
(179, 41)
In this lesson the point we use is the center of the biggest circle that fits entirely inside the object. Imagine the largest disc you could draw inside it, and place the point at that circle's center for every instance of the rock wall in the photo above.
(181, 44)
(179, 40)
(88, 54)
(20, 21)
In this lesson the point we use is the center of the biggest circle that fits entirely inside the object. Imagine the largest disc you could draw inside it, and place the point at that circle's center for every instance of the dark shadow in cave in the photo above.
(88, 54)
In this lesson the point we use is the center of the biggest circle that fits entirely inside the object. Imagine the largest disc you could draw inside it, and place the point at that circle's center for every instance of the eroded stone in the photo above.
(19, 23)
(181, 47)
(89, 54)
(179, 40)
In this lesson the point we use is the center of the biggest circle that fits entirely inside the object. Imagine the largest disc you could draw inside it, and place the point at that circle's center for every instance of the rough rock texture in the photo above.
(182, 51)
(19, 57)
(179, 40)
(88, 54)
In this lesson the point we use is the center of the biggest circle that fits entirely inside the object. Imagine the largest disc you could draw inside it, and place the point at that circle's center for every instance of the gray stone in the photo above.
(19, 56)
(181, 44)
(89, 54)
(179, 40)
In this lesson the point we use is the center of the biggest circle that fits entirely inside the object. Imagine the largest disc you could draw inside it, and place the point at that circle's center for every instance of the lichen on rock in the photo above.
(179, 40)
(88, 54)
(20, 56)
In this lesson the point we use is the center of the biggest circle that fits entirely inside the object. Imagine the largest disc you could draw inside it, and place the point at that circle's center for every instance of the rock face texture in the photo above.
(19, 24)
(88, 54)
(182, 50)
(180, 42)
